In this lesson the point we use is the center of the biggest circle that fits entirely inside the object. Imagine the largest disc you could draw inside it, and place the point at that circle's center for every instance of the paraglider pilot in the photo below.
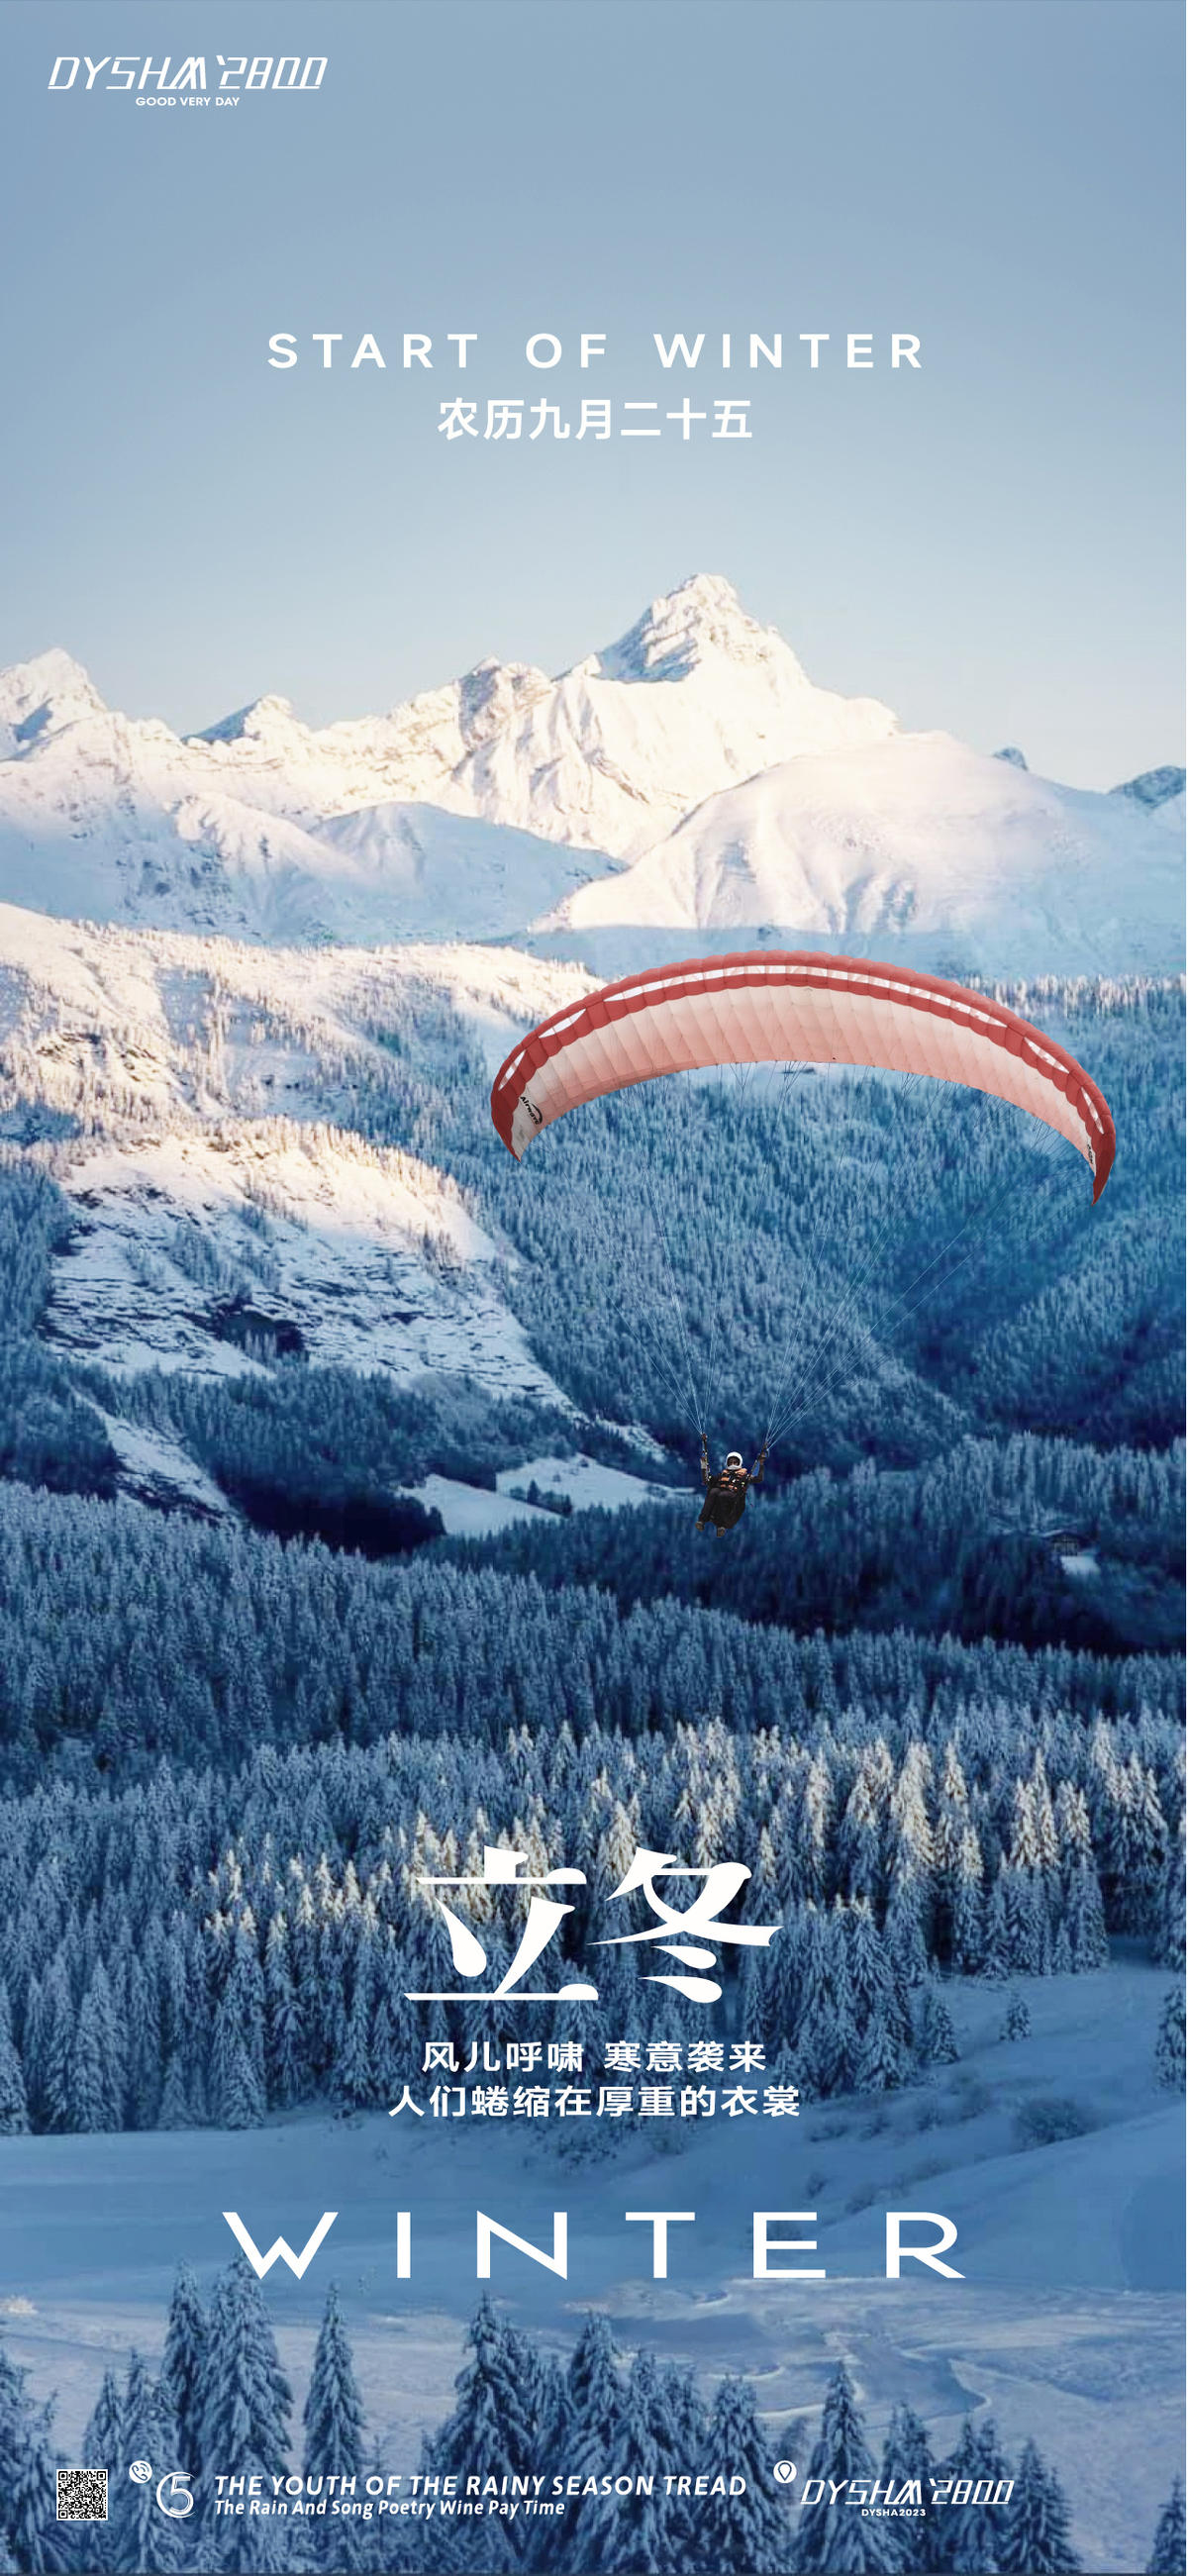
(726, 1493)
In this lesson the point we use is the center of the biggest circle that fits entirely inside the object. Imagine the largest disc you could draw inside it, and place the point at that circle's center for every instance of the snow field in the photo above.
(1067, 2323)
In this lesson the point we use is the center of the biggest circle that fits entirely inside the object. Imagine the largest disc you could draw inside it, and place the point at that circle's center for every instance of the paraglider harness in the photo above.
(726, 1493)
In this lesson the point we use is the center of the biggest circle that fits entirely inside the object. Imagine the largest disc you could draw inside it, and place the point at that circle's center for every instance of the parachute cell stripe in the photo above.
(772, 1006)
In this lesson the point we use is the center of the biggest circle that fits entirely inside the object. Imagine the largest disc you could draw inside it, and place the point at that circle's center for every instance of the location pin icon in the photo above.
(785, 2471)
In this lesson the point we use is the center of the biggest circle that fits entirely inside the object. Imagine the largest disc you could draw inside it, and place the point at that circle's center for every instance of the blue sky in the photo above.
(992, 544)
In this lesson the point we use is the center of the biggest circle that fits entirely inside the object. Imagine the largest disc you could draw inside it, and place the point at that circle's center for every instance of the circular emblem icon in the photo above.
(785, 2471)
(173, 2495)
(140, 2471)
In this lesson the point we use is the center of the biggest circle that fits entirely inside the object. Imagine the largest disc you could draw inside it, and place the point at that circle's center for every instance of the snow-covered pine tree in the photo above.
(872, 1984)
(1084, 1916)
(860, 1856)
(239, 2094)
(992, 2461)
(103, 2439)
(1026, 1919)
(1168, 2548)
(753, 2530)
(352, 2081)
(837, 2541)
(1150, 1847)
(245, 2398)
(595, 2391)
(143, 2056)
(333, 2414)
(237, 2061)
(175, 2110)
(967, 1931)
(395, 2038)
(546, 2394)
(183, 2367)
(491, 2429)
(815, 1820)
(810, 1989)
(912, 1861)
(39, 2544)
(964, 2538)
(1017, 2019)
(758, 1992)
(102, 2448)
(938, 2039)
(14, 2109)
(259, 2545)
(881, 2062)
(285, 2060)
(95, 2087)
(908, 2464)
(904, 1932)
(629, 2535)
(678, 2425)
(33, 2051)
(1034, 2536)
(996, 1955)
(829, 2050)
(1167, 1943)
(142, 2541)
(989, 2462)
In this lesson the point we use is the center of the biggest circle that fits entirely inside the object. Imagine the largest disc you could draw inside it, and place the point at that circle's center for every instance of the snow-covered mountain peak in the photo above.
(46, 693)
(262, 721)
(600, 757)
(702, 619)
(696, 745)
(493, 694)
(1153, 787)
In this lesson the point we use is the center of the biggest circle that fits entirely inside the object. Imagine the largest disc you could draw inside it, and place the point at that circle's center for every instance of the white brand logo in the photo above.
(232, 72)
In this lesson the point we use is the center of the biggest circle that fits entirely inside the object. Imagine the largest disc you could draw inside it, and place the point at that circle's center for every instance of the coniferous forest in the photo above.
(633, 2433)
(931, 1694)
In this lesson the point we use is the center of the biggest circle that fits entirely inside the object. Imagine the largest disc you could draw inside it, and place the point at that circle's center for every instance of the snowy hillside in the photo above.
(198, 1102)
(467, 1511)
(1068, 2314)
(916, 847)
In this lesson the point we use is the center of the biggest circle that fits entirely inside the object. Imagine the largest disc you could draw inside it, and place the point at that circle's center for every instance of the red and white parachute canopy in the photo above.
(778, 1006)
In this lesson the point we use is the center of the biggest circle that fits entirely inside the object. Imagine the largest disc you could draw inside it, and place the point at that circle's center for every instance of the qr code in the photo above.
(82, 2495)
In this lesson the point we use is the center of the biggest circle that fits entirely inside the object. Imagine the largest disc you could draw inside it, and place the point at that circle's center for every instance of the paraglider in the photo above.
(726, 1493)
(804, 1012)
(777, 1006)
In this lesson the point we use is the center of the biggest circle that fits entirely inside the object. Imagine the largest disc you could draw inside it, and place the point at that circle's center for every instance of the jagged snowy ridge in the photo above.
(695, 747)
